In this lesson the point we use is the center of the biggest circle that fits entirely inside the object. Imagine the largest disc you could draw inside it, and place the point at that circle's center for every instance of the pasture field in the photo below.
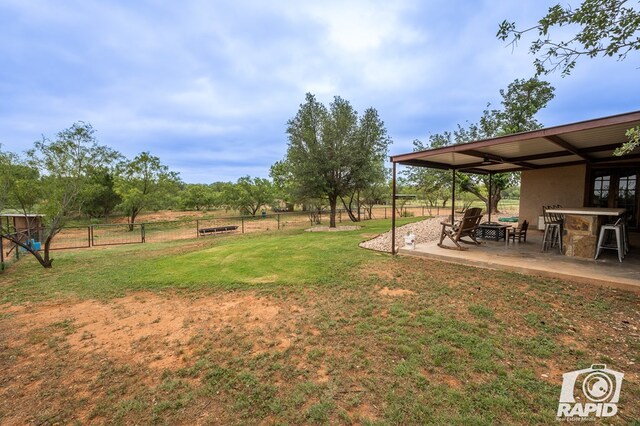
(294, 327)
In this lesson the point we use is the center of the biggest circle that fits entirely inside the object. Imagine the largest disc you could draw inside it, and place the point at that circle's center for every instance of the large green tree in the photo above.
(98, 197)
(197, 196)
(250, 195)
(332, 152)
(596, 28)
(53, 176)
(520, 102)
(144, 183)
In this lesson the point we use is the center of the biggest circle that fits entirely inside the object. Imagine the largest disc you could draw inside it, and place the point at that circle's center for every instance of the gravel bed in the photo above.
(425, 231)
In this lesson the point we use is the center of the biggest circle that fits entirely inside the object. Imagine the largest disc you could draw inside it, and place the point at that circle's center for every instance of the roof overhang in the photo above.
(585, 142)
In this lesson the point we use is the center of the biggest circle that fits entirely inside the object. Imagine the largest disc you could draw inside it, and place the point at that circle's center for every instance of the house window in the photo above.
(617, 188)
(600, 194)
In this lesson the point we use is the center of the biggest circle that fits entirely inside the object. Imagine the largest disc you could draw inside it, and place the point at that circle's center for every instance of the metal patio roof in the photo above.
(584, 142)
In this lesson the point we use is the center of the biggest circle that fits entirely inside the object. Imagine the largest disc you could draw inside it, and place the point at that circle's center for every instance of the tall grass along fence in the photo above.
(108, 234)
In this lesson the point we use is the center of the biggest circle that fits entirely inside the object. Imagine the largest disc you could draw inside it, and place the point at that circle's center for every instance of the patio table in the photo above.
(581, 227)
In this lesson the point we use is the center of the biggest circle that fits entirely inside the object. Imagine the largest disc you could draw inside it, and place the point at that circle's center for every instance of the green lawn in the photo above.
(303, 334)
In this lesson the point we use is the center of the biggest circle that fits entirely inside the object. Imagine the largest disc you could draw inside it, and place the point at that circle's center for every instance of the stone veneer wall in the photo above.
(558, 185)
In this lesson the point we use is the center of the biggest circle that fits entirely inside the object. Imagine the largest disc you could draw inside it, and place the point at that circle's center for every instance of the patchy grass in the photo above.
(294, 328)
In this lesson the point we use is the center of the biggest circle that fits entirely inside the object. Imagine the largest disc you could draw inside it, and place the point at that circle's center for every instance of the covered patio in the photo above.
(570, 165)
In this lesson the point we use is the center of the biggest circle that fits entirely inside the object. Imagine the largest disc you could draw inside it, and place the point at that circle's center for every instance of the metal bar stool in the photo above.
(618, 232)
(552, 230)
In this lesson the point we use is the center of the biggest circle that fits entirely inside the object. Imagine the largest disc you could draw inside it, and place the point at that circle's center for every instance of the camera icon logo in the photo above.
(590, 391)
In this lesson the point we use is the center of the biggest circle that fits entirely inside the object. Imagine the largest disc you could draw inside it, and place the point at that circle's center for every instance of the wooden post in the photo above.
(489, 197)
(453, 195)
(278, 220)
(1, 255)
(242, 219)
(142, 235)
(197, 228)
(393, 212)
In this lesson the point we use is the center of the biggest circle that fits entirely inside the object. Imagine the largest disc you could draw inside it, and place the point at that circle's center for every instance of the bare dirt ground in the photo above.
(62, 347)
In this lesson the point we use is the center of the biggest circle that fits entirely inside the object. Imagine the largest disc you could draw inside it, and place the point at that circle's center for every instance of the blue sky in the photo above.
(208, 86)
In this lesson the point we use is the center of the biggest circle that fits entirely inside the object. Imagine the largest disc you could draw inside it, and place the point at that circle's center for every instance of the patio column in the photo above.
(489, 197)
(453, 195)
(393, 212)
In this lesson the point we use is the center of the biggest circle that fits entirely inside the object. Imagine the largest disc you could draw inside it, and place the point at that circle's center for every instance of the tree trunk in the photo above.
(349, 209)
(132, 219)
(45, 262)
(333, 200)
(47, 246)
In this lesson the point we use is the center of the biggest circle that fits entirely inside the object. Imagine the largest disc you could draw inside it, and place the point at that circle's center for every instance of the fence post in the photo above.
(89, 236)
(1, 255)
(422, 210)
(278, 216)
(197, 228)
(385, 212)
(242, 219)
(142, 235)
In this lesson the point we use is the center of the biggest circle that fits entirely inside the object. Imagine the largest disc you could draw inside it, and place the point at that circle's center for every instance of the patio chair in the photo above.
(465, 228)
(519, 232)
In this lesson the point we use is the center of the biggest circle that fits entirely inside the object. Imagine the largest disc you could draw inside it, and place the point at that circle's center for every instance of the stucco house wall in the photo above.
(559, 185)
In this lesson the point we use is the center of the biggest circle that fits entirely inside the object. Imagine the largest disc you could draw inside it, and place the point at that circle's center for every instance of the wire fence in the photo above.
(108, 234)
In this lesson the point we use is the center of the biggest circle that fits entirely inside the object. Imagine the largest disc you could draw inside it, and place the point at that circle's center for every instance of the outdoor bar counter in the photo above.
(581, 228)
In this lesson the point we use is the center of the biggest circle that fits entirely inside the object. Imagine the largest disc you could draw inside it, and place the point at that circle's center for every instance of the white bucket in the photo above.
(410, 241)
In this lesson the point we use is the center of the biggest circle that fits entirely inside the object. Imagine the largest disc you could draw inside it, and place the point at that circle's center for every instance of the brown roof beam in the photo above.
(566, 145)
(617, 160)
(498, 159)
(600, 148)
(424, 163)
(542, 156)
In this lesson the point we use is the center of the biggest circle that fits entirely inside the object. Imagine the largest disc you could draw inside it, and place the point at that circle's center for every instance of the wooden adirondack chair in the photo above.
(465, 228)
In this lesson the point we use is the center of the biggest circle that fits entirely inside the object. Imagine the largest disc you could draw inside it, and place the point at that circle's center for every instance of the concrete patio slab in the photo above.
(527, 258)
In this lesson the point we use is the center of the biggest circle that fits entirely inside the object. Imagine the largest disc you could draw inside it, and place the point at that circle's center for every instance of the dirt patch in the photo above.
(395, 292)
(146, 327)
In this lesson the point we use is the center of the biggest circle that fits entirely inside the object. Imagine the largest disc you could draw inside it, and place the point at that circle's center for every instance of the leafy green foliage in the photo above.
(98, 197)
(633, 135)
(333, 152)
(64, 165)
(605, 28)
(520, 102)
(144, 183)
(250, 195)
(198, 196)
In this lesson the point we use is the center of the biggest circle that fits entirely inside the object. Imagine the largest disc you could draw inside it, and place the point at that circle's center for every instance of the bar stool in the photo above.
(618, 232)
(552, 229)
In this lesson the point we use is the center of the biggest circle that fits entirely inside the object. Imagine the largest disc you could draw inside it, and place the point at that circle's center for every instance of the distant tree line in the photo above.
(335, 159)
